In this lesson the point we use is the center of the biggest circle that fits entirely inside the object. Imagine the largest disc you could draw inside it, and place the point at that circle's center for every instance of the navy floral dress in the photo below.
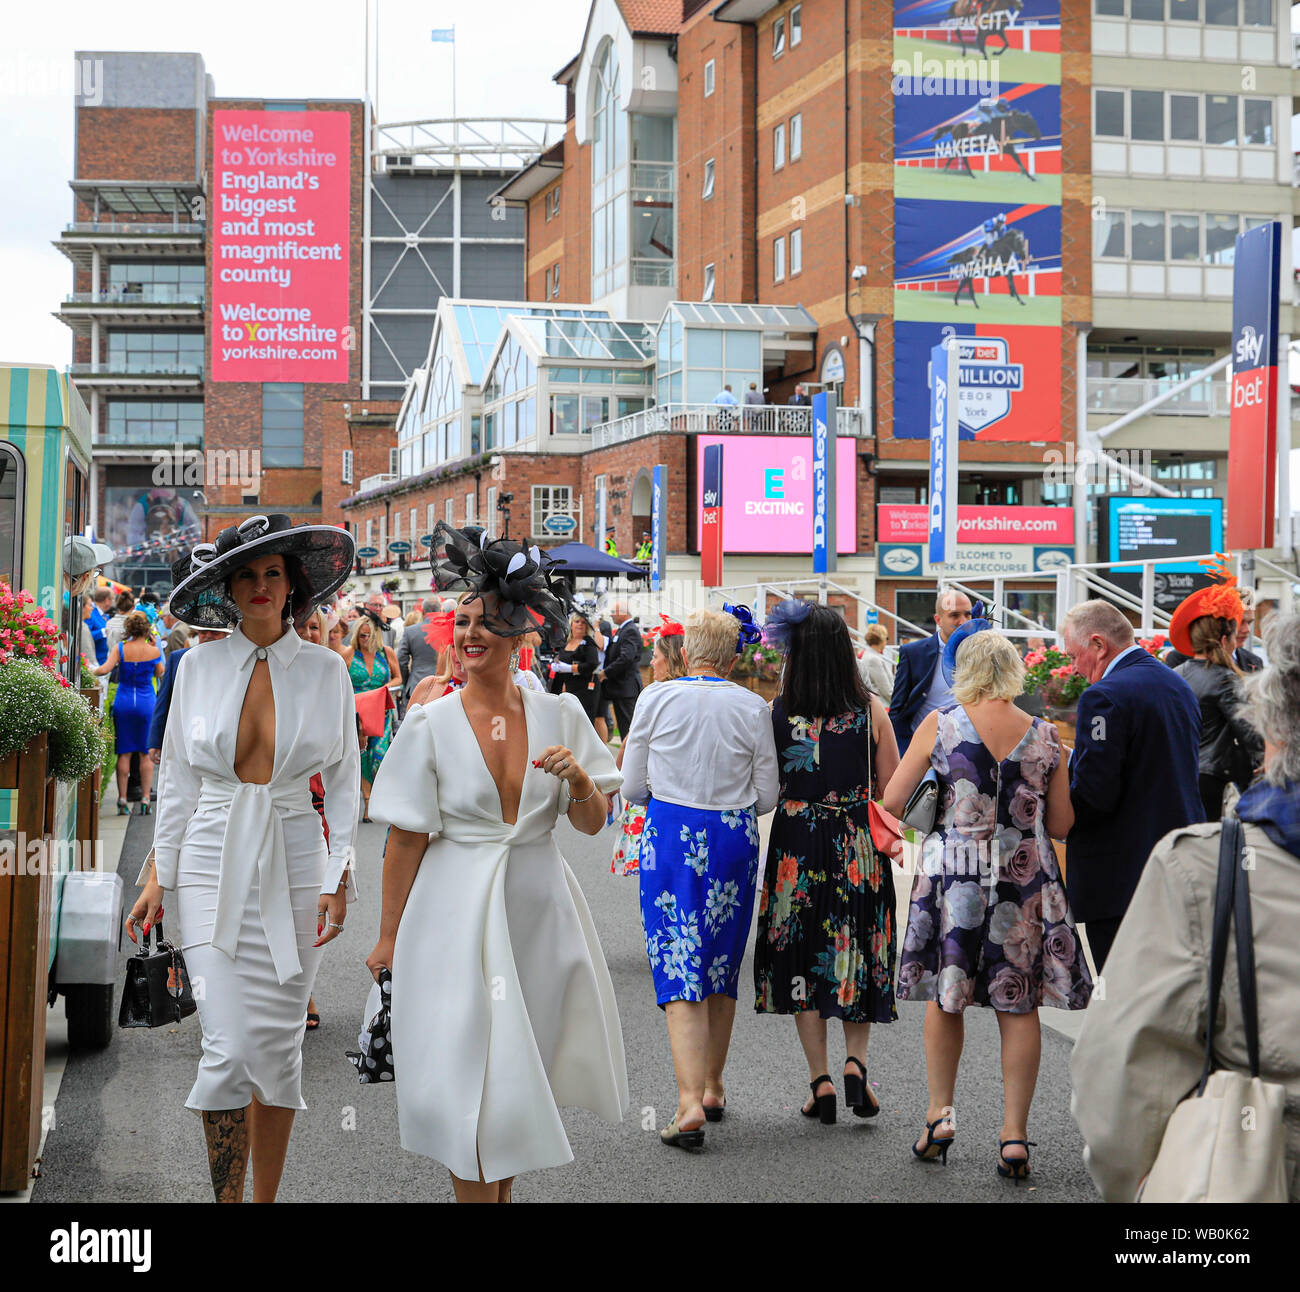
(826, 936)
(989, 922)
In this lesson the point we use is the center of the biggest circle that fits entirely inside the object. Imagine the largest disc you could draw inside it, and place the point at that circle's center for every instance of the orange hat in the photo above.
(1222, 600)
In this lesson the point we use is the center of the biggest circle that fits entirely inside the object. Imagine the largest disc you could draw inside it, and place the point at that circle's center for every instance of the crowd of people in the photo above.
(469, 740)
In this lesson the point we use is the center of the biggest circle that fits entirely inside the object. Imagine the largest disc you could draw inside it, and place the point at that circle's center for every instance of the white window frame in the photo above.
(778, 259)
(397, 524)
(383, 538)
(710, 283)
(392, 462)
(430, 518)
(709, 179)
(778, 37)
(449, 511)
(555, 282)
(710, 75)
(548, 500)
(778, 145)
(796, 25)
(370, 533)
(1201, 122)
(415, 543)
(490, 520)
(796, 136)
(796, 252)
(347, 466)
(469, 508)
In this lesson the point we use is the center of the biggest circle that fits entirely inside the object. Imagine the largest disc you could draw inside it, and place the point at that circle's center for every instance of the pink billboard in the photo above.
(767, 500)
(279, 214)
(904, 523)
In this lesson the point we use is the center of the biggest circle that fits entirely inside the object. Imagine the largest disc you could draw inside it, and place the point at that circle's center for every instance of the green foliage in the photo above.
(32, 700)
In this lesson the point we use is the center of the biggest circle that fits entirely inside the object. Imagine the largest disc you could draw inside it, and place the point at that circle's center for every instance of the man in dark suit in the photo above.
(919, 684)
(417, 657)
(1133, 774)
(621, 677)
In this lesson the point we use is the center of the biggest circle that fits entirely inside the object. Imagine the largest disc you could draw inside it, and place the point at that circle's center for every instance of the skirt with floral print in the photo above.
(698, 870)
(630, 823)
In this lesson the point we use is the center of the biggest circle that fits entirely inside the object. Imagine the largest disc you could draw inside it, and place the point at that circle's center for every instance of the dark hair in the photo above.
(821, 676)
(149, 597)
(125, 603)
(297, 603)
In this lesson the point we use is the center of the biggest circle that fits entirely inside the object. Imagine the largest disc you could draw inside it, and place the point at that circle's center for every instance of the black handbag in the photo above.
(374, 1061)
(157, 990)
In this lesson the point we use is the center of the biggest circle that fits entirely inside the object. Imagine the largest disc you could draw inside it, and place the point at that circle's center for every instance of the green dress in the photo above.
(377, 746)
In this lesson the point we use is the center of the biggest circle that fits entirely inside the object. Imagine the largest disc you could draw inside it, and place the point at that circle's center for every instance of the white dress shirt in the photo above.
(701, 743)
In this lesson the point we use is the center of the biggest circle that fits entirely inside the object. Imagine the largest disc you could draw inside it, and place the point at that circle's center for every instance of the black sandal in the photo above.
(313, 1022)
(1015, 1168)
(932, 1141)
(672, 1137)
(857, 1094)
(714, 1114)
(823, 1105)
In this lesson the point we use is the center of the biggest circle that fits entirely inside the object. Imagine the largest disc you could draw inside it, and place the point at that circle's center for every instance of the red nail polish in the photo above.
(537, 762)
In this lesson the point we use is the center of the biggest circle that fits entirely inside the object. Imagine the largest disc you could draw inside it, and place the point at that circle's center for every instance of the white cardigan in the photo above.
(701, 743)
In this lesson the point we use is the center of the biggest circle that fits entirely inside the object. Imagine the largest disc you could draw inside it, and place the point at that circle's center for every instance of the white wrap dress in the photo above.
(248, 862)
(502, 1005)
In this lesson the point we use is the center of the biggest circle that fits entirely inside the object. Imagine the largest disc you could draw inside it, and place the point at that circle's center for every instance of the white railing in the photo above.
(375, 481)
(721, 419)
(654, 181)
(652, 273)
(149, 294)
(1210, 398)
(485, 142)
(186, 228)
(136, 367)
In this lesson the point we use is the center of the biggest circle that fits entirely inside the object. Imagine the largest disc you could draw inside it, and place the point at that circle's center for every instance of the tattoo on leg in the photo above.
(227, 1136)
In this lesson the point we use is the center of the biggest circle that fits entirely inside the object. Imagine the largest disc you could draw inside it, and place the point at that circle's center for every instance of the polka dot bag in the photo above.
(374, 1061)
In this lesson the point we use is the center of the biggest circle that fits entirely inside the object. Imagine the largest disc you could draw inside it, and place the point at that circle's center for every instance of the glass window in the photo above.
(707, 293)
(564, 414)
(1185, 116)
(708, 180)
(703, 384)
(708, 78)
(282, 423)
(1249, 222)
(744, 351)
(1257, 121)
(796, 136)
(1147, 10)
(1109, 112)
(1221, 13)
(1108, 8)
(1220, 118)
(1108, 236)
(796, 25)
(778, 38)
(595, 410)
(1256, 13)
(778, 146)
(1187, 10)
(796, 252)
(704, 347)
(778, 260)
(1184, 237)
(601, 376)
(1148, 235)
(628, 406)
(1147, 114)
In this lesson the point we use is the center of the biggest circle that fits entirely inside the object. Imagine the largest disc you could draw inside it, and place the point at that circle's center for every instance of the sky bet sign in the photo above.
(1252, 427)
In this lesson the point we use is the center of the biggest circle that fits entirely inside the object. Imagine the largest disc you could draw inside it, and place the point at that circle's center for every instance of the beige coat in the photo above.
(1143, 1039)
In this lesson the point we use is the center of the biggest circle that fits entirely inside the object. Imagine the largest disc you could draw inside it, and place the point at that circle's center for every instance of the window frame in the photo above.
(778, 259)
(778, 146)
(710, 78)
(347, 466)
(795, 265)
(795, 137)
(778, 37)
(796, 25)
(710, 180)
(710, 283)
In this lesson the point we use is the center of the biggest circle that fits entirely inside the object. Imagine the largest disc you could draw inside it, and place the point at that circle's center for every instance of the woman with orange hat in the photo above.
(1204, 628)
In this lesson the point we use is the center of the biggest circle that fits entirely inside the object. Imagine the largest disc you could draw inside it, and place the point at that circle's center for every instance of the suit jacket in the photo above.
(912, 680)
(1133, 779)
(416, 658)
(158, 724)
(623, 663)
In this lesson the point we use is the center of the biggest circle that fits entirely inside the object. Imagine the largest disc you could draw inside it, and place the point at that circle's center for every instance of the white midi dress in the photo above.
(248, 862)
(502, 1004)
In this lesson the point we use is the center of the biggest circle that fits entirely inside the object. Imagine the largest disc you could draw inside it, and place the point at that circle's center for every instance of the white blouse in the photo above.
(701, 743)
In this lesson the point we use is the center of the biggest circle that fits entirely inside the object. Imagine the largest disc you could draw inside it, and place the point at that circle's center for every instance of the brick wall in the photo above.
(369, 436)
(135, 143)
(545, 244)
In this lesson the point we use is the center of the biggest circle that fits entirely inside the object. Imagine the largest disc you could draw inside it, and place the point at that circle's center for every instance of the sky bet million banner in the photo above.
(1252, 427)
(977, 212)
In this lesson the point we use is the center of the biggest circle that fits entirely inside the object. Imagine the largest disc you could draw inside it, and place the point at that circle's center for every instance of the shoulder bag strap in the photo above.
(1229, 844)
(1246, 952)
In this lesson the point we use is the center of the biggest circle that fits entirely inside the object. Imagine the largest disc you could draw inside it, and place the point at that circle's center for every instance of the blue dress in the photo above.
(133, 705)
(698, 870)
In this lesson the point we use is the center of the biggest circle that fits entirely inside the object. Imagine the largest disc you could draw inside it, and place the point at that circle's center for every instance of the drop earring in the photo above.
(514, 660)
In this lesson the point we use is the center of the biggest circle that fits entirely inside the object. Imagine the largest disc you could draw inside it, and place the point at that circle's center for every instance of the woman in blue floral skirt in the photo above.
(700, 755)
(989, 922)
(826, 936)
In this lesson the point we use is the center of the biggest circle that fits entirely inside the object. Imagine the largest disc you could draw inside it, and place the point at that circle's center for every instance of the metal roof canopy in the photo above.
(138, 197)
(783, 318)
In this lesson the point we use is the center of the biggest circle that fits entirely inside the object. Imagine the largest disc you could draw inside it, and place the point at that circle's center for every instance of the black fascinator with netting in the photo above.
(524, 599)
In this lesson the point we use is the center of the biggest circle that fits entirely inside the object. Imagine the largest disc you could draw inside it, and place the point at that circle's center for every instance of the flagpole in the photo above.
(453, 84)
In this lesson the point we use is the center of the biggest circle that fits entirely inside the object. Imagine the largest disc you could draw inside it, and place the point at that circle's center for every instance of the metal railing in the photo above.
(654, 181)
(1209, 398)
(150, 294)
(652, 273)
(188, 228)
(721, 419)
(377, 481)
(132, 367)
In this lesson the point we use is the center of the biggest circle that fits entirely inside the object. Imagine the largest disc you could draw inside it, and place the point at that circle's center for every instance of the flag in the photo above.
(444, 35)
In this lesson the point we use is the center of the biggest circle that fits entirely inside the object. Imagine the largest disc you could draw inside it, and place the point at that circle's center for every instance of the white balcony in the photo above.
(721, 419)
(377, 481)
(1209, 398)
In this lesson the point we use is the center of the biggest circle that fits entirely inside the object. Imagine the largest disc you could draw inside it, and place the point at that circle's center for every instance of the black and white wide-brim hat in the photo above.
(327, 556)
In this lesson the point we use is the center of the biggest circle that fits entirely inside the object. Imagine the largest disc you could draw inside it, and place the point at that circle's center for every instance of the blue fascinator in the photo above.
(750, 632)
(953, 645)
(781, 622)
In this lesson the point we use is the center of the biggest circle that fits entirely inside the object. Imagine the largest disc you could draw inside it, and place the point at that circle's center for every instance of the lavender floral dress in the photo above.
(989, 922)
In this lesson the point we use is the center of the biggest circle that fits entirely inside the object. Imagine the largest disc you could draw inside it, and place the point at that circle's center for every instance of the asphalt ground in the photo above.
(121, 1132)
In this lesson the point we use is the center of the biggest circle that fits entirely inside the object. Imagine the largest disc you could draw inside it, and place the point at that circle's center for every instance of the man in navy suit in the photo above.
(1133, 775)
(919, 684)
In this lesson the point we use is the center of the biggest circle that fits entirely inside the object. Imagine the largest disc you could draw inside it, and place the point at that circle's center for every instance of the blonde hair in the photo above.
(412, 617)
(988, 668)
(377, 638)
(710, 638)
(671, 649)
(876, 635)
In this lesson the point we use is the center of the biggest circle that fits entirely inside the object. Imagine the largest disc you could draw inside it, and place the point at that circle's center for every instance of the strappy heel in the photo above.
(940, 1145)
(123, 808)
(823, 1105)
(673, 1137)
(1014, 1168)
(857, 1094)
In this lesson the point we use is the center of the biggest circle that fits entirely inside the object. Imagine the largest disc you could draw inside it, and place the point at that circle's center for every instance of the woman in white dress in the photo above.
(502, 1006)
(253, 718)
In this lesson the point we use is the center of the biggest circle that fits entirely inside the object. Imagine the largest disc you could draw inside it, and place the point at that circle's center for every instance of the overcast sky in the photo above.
(254, 49)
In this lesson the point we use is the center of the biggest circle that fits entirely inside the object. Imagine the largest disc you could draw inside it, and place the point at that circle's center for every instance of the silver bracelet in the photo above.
(572, 800)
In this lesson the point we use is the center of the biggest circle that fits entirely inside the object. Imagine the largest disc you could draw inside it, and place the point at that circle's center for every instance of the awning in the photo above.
(578, 558)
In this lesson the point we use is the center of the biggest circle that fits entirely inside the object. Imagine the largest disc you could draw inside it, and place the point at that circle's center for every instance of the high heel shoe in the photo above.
(145, 808)
(857, 1094)
(941, 1144)
(823, 1105)
(123, 808)
(1014, 1168)
(673, 1137)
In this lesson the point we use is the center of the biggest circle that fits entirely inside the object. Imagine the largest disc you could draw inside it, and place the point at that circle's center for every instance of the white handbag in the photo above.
(1227, 1141)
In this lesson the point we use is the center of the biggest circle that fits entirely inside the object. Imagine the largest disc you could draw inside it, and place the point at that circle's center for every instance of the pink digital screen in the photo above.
(279, 213)
(767, 492)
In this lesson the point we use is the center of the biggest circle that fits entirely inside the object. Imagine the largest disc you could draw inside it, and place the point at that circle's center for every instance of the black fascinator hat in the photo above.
(518, 577)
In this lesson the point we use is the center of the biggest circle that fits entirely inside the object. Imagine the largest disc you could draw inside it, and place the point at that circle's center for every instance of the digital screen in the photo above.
(1155, 529)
